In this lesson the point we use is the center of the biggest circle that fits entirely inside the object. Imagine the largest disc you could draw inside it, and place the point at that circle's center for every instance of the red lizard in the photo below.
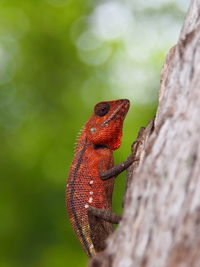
(91, 177)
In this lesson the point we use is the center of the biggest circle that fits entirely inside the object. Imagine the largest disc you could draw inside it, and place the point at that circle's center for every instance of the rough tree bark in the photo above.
(161, 220)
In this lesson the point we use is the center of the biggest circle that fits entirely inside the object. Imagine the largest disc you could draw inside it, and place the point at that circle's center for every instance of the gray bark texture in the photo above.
(161, 221)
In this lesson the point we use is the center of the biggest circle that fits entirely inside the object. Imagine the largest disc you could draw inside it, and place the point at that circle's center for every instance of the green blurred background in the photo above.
(57, 59)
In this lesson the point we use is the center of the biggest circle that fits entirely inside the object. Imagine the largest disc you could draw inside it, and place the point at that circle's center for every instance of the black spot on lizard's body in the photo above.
(100, 146)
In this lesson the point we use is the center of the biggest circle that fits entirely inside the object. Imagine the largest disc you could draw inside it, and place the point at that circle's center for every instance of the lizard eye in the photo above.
(101, 109)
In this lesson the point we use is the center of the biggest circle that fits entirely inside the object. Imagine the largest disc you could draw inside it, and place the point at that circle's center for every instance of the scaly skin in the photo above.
(94, 155)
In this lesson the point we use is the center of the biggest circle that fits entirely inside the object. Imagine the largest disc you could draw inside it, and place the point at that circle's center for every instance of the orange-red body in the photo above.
(94, 154)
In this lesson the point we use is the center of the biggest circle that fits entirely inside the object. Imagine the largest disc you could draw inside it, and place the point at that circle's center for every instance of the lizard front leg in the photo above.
(116, 170)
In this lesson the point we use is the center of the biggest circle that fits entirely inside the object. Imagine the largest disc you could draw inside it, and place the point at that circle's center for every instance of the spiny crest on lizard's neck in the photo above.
(80, 139)
(105, 125)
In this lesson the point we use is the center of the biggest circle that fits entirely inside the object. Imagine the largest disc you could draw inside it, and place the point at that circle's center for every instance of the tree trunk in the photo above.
(161, 220)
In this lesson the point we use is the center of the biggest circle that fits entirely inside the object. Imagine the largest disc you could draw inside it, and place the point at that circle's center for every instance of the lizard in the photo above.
(92, 174)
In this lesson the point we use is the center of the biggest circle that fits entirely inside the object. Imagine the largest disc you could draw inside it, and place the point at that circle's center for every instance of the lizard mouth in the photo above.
(123, 106)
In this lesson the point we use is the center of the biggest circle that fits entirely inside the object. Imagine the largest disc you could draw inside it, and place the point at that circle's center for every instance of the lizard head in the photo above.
(105, 125)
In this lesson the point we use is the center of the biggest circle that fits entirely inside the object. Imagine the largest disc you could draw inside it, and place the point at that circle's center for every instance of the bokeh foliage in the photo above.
(57, 59)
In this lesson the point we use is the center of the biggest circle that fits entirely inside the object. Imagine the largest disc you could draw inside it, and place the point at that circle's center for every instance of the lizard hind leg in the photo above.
(106, 215)
(101, 226)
